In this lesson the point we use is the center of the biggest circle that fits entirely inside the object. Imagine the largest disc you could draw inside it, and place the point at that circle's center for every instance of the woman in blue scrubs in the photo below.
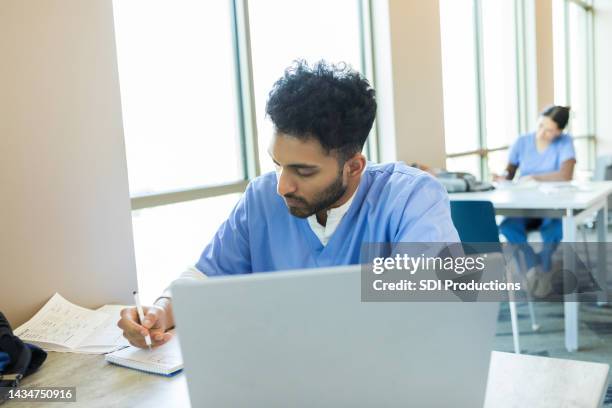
(544, 155)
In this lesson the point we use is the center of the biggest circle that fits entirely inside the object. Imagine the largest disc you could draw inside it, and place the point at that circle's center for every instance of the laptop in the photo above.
(305, 339)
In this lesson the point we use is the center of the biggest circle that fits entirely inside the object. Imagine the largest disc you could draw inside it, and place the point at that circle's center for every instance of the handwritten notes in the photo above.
(63, 326)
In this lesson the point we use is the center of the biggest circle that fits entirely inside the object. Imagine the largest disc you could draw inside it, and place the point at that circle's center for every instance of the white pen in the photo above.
(141, 317)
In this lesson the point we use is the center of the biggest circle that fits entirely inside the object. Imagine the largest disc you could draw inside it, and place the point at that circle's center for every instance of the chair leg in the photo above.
(522, 266)
(515, 330)
(534, 325)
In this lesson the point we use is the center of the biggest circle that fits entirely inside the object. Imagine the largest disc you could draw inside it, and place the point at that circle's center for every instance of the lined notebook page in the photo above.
(66, 327)
(164, 360)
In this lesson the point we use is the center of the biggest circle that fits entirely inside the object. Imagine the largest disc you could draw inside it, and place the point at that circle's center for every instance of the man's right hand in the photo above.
(156, 322)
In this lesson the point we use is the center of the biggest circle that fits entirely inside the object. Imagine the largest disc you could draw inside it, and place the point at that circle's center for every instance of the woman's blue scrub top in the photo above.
(524, 154)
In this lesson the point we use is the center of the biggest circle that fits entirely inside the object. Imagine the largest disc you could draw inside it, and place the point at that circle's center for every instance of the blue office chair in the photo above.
(475, 222)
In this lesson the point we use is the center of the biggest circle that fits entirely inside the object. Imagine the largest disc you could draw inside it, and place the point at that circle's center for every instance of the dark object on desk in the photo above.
(459, 182)
(17, 359)
(455, 181)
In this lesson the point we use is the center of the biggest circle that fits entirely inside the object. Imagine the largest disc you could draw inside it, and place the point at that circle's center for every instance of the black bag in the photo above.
(459, 182)
(24, 358)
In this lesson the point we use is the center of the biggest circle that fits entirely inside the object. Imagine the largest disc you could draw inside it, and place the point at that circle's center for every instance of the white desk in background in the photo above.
(573, 203)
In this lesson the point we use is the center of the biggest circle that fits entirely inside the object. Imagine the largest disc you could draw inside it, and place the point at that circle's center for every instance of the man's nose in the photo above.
(285, 184)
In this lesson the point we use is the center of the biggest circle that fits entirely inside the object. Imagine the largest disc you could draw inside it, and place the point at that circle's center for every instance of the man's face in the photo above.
(309, 180)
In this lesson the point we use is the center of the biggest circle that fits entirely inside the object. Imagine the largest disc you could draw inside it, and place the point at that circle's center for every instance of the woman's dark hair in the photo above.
(330, 103)
(558, 114)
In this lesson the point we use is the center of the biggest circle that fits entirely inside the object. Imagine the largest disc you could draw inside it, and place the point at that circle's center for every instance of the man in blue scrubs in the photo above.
(323, 201)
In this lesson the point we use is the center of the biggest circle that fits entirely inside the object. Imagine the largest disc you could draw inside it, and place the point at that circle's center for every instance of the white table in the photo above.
(574, 203)
(539, 382)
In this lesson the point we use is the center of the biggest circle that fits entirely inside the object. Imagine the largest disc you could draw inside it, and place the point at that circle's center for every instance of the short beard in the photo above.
(322, 201)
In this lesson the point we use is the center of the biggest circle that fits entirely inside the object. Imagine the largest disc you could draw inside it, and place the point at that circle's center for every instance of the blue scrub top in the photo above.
(394, 203)
(525, 155)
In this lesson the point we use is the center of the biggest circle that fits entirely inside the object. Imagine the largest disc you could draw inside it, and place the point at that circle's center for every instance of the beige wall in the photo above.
(409, 73)
(544, 53)
(603, 75)
(64, 205)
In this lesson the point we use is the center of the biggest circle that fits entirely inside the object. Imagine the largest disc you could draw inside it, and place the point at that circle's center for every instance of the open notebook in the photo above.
(164, 360)
(66, 327)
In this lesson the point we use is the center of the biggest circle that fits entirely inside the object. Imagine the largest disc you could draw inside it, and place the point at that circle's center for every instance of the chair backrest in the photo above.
(475, 221)
(603, 168)
(603, 172)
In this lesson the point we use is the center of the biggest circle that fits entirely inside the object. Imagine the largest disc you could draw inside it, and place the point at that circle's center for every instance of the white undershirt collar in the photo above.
(334, 216)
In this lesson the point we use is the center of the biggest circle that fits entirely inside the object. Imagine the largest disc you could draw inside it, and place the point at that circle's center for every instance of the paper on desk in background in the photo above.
(561, 187)
(520, 184)
(66, 327)
(546, 187)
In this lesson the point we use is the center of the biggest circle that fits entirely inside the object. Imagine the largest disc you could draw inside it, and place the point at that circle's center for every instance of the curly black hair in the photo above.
(328, 102)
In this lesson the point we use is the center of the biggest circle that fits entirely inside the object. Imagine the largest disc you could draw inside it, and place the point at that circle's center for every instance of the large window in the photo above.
(483, 67)
(194, 78)
(278, 37)
(460, 76)
(180, 109)
(573, 57)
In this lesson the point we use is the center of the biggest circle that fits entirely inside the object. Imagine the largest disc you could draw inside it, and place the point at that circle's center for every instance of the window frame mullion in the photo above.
(480, 85)
(245, 92)
(368, 68)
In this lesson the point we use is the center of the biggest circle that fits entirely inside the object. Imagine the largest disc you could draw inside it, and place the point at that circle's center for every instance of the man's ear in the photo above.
(356, 164)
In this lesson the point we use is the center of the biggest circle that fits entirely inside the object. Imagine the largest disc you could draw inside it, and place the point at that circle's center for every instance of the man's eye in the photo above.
(305, 173)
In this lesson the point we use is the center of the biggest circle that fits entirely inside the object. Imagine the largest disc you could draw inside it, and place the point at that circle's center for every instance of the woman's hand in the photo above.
(526, 179)
(498, 177)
